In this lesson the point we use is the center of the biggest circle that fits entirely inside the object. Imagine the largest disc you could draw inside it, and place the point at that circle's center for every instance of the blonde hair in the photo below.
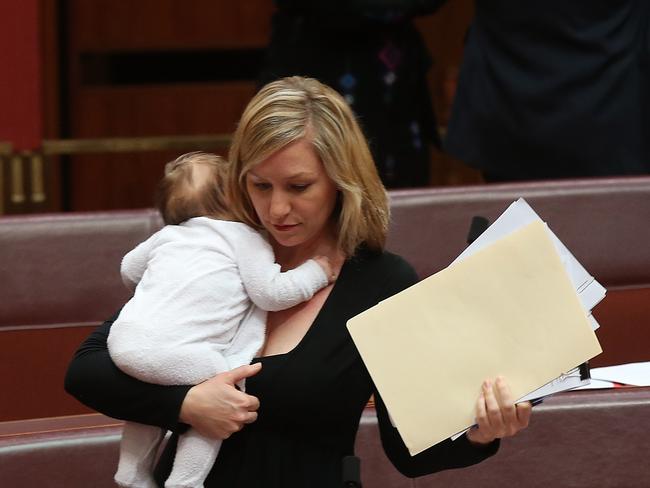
(193, 187)
(294, 108)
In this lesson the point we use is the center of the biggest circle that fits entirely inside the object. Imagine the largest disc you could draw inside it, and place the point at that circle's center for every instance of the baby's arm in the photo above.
(266, 285)
(135, 262)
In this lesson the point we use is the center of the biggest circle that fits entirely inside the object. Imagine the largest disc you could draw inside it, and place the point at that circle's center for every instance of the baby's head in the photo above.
(193, 186)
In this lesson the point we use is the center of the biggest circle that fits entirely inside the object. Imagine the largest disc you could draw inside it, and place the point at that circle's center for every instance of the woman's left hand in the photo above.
(497, 415)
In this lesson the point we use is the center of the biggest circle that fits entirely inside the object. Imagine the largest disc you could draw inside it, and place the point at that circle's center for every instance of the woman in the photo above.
(302, 171)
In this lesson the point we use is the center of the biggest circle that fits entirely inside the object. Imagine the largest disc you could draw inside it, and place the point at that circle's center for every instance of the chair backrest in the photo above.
(59, 278)
(65, 268)
(579, 439)
(59, 274)
(76, 451)
(605, 222)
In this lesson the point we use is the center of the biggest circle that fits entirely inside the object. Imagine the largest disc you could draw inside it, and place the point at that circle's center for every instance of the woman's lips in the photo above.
(284, 228)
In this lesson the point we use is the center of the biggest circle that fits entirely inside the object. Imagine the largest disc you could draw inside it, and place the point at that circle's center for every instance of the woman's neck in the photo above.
(290, 257)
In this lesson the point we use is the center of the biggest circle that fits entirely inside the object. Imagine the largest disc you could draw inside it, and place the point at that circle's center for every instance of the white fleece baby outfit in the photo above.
(202, 289)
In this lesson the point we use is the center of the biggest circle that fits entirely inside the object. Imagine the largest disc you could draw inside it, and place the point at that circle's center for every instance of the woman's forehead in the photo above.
(294, 160)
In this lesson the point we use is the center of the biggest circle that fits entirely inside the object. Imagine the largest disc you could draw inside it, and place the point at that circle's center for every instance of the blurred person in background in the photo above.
(373, 55)
(554, 89)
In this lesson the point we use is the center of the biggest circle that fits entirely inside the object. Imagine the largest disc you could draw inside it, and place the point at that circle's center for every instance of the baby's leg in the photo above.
(138, 450)
(195, 455)
(186, 364)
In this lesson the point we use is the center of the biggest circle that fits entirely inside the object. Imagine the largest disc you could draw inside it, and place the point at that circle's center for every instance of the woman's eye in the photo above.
(262, 186)
(300, 187)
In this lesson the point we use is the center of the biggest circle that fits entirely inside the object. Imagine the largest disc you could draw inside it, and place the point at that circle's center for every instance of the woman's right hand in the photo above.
(216, 408)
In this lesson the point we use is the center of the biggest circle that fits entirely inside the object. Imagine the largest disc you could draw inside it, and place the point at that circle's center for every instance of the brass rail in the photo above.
(5, 148)
(33, 163)
(51, 147)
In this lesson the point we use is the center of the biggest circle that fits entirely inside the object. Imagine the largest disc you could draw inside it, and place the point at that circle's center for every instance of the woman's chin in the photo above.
(286, 240)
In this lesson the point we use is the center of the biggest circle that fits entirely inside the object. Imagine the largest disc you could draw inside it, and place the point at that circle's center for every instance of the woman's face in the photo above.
(293, 196)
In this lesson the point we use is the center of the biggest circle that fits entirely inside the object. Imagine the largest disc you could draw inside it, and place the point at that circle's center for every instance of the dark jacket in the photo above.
(555, 89)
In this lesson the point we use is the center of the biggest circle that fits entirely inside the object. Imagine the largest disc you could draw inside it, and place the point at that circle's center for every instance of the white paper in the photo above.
(596, 385)
(568, 381)
(519, 214)
(633, 374)
(590, 291)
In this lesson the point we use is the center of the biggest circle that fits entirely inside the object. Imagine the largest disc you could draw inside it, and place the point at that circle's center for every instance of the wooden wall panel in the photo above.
(51, 96)
(100, 106)
(160, 109)
(20, 62)
(28, 107)
(128, 180)
(101, 25)
(102, 103)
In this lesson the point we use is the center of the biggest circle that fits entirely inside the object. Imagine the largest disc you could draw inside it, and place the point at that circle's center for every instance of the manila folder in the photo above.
(509, 309)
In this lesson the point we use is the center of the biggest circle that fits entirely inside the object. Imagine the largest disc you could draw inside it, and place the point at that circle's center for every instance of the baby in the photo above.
(203, 284)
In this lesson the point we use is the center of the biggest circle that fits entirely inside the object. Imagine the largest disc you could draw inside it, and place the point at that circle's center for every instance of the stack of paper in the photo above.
(590, 292)
(507, 309)
(630, 374)
(519, 214)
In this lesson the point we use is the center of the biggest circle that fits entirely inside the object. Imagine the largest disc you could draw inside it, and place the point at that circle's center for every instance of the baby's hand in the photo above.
(324, 263)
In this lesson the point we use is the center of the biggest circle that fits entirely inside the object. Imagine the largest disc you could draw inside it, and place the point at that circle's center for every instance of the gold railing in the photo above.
(53, 147)
(33, 163)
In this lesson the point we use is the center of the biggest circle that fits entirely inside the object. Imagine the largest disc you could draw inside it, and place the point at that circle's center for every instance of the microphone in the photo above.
(351, 470)
(476, 228)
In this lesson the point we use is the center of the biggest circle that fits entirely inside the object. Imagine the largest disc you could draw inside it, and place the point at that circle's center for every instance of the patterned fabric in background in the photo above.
(374, 56)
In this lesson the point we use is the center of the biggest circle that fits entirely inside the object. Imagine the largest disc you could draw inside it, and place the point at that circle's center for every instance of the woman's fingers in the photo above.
(250, 418)
(216, 408)
(497, 415)
(252, 403)
(488, 416)
(481, 411)
(241, 373)
(507, 405)
(494, 414)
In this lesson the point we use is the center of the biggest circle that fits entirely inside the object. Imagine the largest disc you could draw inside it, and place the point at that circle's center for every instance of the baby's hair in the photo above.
(193, 187)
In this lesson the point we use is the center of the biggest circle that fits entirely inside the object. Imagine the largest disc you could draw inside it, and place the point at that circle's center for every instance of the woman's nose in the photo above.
(280, 205)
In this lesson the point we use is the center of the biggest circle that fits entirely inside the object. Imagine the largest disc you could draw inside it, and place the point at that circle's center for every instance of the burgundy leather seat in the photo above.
(60, 277)
(579, 439)
(61, 452)
(605, 223)
(582, 439)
